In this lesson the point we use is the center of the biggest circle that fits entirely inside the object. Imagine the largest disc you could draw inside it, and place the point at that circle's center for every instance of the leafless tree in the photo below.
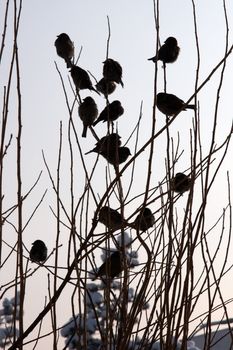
(151, 304)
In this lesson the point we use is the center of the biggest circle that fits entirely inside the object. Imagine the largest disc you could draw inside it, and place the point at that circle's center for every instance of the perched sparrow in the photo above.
(107, 143)
(106, 87)
(111, 112)
(112, 71)
(168, 52)
(111, 218)
(144, 220)
(38, 252)
(81, 79)
(169, 104)
(112, 266)
(88, 112)
(109, 147)
(180, 183)
(65, 48)
(116, 156)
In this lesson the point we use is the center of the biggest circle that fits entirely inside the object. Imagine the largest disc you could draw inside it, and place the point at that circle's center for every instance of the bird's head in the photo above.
(108, 60)
(126, 151)
(74, 69)
(38, 243)
(180, 176)
(171, 41)
(116, 103)
(147, 212)
(63, 36)
(161, 97)
(88, 99)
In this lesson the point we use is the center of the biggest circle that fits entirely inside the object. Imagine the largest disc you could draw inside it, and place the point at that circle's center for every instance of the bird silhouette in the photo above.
(110, 113)
(112, 266)
(112, 71)
(144, 220)
(106, 87)
(168, 52)
(111, 218)
(170, 104)
(88, 112)
(65, 48)
(116, 156)
(180, 183)
(38, 252)
(81, 79)
(107, 144)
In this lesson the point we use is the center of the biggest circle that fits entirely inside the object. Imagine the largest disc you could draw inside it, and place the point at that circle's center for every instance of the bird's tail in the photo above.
(95, 122)
(84, 134)
(191, 107)
(91, 151)
(152, 59)
(68, 63)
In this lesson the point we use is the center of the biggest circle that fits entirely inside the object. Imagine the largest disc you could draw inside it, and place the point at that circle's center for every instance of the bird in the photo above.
(65, 48)
(116, 156)
(144, 220)
(109, 147)
(88, 112)
(180, 183)
(110, 113)
(170, 104)
(105, 87)
(168, 52)
(106, 143)
(111, 218)
(38, 252)
(112, 71)
(81, 79)
(112, 266)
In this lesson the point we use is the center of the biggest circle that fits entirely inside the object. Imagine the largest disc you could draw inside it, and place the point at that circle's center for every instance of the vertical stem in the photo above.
(3, 128)
(19, 177)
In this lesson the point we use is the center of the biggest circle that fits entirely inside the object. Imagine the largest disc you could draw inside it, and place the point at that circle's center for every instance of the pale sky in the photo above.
(133, 40)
